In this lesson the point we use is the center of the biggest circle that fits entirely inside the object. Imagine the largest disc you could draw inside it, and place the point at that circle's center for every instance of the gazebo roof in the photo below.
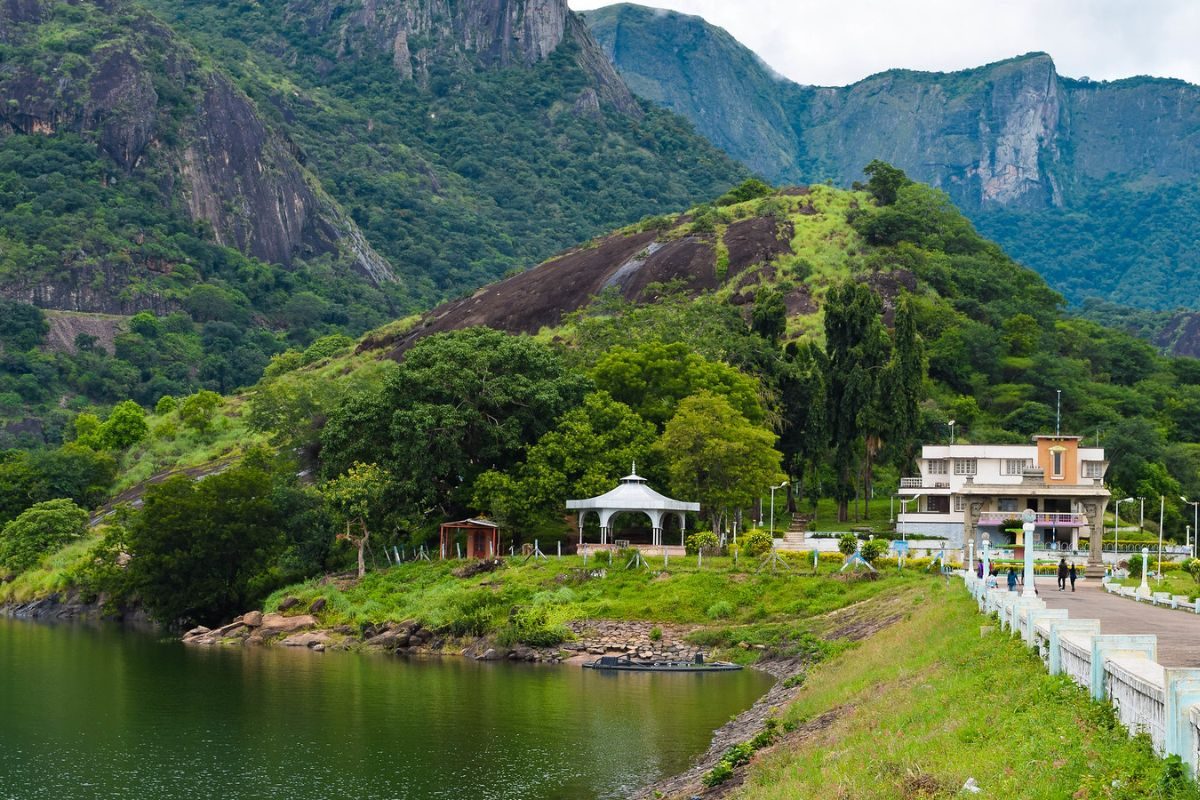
(632, 494)
(471, 523)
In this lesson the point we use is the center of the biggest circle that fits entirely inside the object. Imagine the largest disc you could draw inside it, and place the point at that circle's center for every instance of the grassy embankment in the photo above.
(920, 707)
(736, 602)
(1174, 581)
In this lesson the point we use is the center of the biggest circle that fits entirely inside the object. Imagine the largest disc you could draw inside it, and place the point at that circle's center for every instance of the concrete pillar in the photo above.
(1095, 565)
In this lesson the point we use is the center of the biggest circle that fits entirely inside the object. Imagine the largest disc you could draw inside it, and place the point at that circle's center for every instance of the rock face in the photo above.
(1035, 159)
(1013, 133)
(634, 264)
(420, 35)
(150, 104)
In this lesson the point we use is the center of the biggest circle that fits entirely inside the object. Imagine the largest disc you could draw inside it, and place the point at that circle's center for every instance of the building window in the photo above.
(1093, 469)
(937, 504)
(1015, 466)
(1008, 504)
(1056, 457)
(960, 503)
(937, 467)
(965, 466)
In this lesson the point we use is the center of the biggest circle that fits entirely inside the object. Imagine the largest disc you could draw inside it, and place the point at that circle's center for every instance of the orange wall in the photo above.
(1070, 473)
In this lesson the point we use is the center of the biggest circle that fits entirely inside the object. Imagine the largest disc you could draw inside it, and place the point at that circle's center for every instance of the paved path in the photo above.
(1178, 631)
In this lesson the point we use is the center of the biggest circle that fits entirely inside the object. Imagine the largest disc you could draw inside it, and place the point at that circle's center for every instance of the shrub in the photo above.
(847, 544)
(656, 634)
(872, 550)
(703, 540)
(1192, 567)
(1135, 565)
(756, 543)
(531, 626)
(326, 346)
(718, 610)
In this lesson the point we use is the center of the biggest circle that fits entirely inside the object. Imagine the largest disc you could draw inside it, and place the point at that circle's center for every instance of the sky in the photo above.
(835, 43)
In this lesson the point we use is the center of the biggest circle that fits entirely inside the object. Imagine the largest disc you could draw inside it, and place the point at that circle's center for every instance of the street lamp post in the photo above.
(773, 490)
(1195, 504)
(904, 501)
(951, 424)
(1117, 525)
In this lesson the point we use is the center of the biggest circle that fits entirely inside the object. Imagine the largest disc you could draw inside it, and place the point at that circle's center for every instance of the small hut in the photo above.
(634, 494)
(483, 538)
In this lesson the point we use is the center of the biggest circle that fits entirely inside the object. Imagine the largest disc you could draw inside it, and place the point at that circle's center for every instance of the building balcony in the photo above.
(1000, 517)
(921, 483)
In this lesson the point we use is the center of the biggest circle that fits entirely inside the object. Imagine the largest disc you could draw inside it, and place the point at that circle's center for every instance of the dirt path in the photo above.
(1178, 631)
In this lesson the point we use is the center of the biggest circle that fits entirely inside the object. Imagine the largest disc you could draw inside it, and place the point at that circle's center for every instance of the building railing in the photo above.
(921, 483)
(1049, 518)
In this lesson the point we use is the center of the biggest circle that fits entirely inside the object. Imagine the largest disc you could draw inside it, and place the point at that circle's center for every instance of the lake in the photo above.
(100, 712)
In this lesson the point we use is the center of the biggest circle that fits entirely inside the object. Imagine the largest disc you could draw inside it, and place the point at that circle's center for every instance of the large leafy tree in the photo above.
(717, 456)
(460, 404)
(39, 531)
(72, 471)
(653, 377)
(204, 550)
(857, 347)
(585, 453)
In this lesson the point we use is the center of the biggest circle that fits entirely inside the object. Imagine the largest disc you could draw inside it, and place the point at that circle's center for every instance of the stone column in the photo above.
(1094, 514)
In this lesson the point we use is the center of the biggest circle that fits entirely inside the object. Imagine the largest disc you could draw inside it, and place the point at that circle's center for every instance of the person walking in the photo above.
(1062, 575)
(1012, 579)
(1073, 574)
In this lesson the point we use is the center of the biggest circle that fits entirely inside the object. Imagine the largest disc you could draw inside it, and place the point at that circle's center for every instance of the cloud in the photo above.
(837, 43)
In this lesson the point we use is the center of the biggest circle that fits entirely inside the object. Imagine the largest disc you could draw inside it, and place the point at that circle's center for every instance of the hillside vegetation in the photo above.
(813, 334)
(240, 175)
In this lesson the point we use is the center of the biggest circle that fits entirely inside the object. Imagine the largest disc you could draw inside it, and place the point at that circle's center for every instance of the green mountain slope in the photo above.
(1074, 177)
(290, 175)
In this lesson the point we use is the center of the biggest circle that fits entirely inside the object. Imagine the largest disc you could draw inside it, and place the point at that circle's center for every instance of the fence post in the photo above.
(1059, 627)
(1104, 647)
(1181, 691)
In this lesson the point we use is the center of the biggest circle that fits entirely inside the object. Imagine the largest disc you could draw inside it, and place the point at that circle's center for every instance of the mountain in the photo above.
(1091, 183)
(257, 176)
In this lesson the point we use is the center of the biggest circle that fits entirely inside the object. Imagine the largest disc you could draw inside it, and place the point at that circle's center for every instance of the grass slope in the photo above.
(924, 705)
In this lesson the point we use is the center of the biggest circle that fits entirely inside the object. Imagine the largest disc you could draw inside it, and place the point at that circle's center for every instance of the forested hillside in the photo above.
(811, 332)
(1091, 183)
(259, 176)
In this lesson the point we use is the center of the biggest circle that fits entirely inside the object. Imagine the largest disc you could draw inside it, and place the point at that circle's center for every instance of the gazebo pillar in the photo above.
(656, 527)
(682, 529)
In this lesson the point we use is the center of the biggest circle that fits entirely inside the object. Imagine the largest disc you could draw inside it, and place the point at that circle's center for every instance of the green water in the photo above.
(89, 712)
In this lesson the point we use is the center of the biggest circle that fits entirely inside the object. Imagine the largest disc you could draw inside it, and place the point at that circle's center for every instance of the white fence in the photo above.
(1122, 670)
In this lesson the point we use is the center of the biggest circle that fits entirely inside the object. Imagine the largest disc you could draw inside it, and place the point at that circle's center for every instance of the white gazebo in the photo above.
(633, 494)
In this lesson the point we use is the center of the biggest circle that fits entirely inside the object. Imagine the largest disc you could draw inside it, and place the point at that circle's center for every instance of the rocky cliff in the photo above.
(1009, 138)
(420, 36)
(122, 79)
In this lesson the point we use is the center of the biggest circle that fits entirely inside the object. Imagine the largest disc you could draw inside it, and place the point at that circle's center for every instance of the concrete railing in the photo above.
(1120, 669)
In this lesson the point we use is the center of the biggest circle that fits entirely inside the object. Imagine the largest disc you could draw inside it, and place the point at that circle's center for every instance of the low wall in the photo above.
(1121, 670)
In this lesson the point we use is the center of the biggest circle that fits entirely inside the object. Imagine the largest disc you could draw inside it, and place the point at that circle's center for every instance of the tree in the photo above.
(356, 499)
(856, 345)
(588, 449)
(885, 181)
(125, 426)
(904, 382)
(39, 531)
(460, 404)
(198, 410)
(653, 377)
(769, 317)
(803, 436)
(201, 551)
(717, 456)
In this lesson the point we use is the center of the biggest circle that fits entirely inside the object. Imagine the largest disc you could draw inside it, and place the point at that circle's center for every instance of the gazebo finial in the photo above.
(633, 470)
